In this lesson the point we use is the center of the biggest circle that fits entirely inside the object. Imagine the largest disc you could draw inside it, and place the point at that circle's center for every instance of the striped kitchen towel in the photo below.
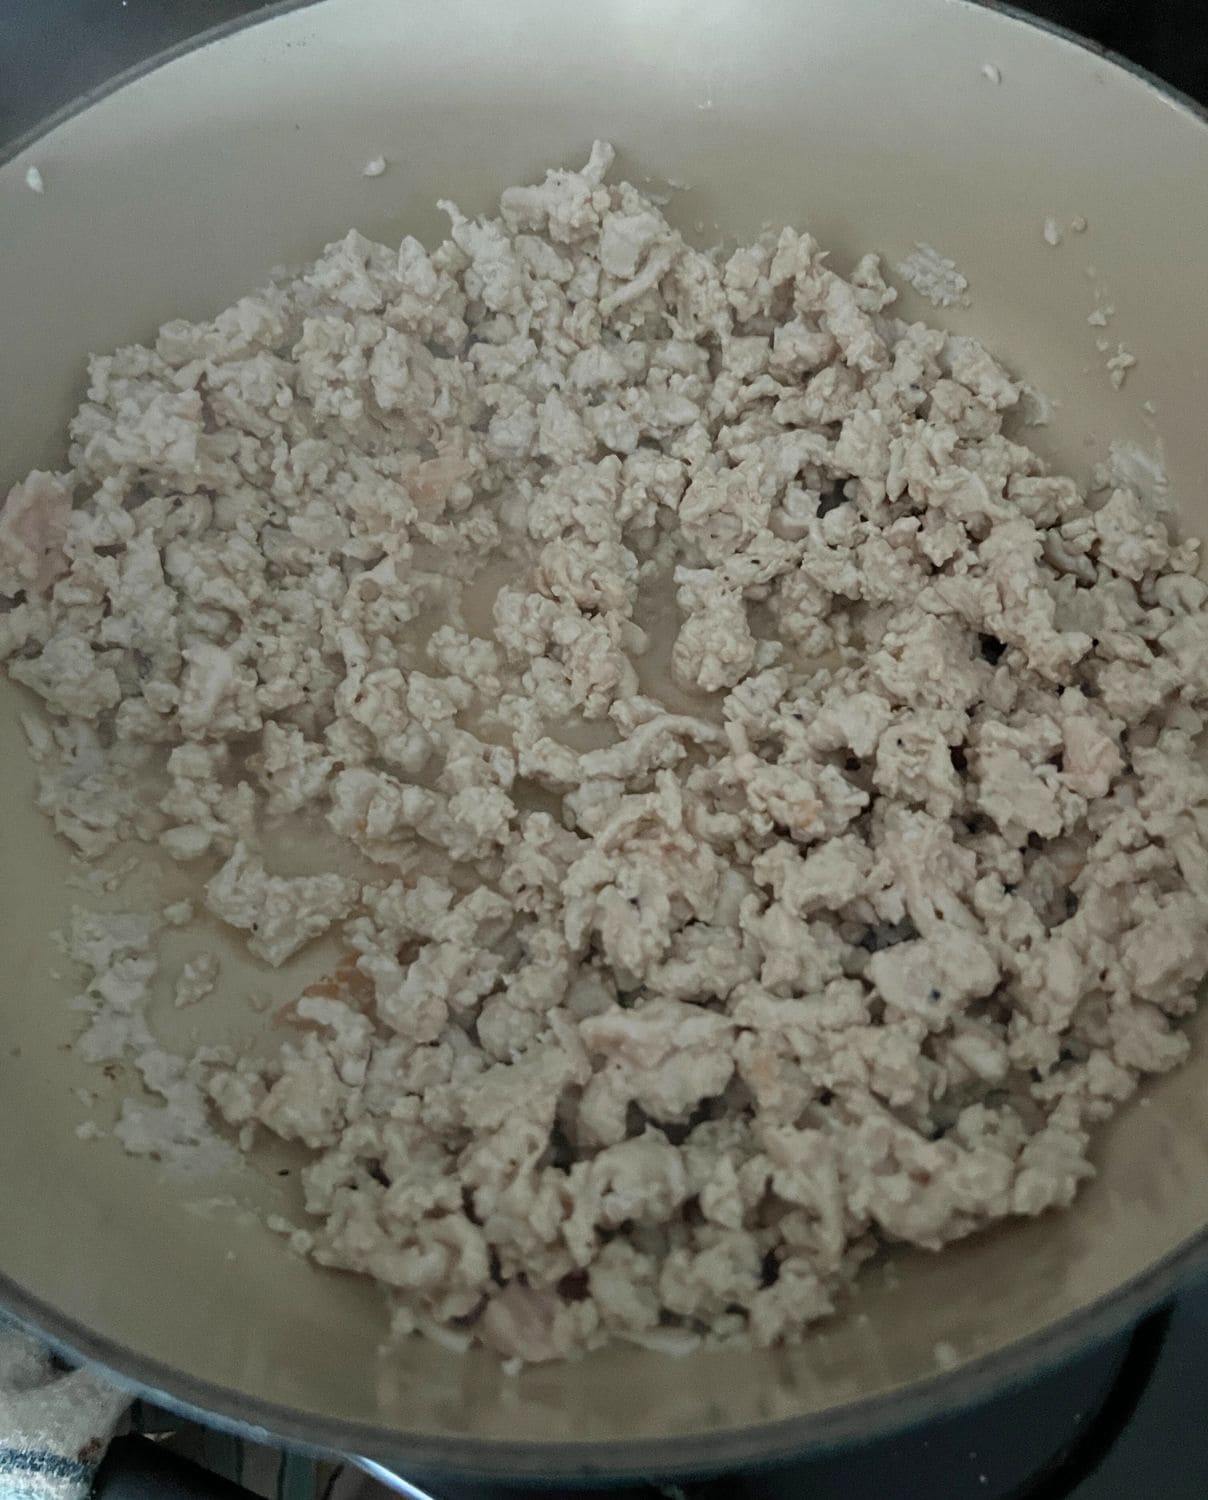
(55, 1424)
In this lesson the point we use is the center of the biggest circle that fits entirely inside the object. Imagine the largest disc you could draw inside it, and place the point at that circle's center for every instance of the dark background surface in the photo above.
(54, 50)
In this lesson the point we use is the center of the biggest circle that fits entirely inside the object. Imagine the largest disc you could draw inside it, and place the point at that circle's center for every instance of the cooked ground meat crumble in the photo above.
(775, 794)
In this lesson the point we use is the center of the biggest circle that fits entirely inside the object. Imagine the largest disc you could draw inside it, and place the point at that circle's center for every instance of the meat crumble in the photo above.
(774, 794)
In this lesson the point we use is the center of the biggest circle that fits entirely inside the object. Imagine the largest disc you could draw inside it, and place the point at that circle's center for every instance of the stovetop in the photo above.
(1124, 1420)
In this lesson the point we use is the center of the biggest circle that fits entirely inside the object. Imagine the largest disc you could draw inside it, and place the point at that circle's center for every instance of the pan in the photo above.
(876, 126)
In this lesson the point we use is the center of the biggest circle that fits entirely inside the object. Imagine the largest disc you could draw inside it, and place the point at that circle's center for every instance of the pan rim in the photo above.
(754, 1445)
(750, 1445)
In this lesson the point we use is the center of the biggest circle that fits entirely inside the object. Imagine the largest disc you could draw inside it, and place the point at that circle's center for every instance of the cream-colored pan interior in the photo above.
(877, 126)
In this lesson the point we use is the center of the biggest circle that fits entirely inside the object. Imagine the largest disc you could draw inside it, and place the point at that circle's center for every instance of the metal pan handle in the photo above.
(137, 1469)
(395, 1483)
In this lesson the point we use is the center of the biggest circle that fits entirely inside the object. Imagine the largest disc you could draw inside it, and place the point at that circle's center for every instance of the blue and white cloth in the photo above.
(55, 1424)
